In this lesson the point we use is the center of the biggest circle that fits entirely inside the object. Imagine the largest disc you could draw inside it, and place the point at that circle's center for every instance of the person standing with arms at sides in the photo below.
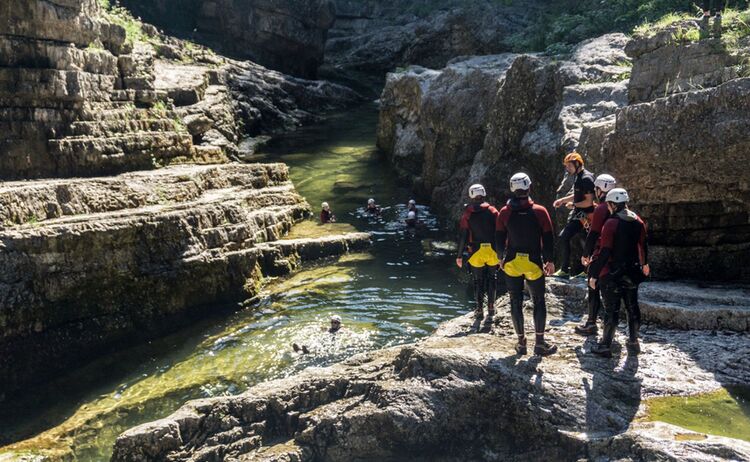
(621, 266)
(581, 203)
(603, 184)
(717, 8)
(524, 241)
(326, 215)
(477, 228)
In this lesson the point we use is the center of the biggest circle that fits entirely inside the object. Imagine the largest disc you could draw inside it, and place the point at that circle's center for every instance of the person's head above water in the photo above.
(371, 202)
(325, 206)
(412, 203)
(477, 193)
(335, 322)
(520, 183)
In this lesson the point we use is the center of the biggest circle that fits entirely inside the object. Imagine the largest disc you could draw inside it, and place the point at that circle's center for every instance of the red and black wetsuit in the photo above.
(583, 185)
(326, 216)
(591, 250)
(624, 250)
(524, 227)
(477, 227)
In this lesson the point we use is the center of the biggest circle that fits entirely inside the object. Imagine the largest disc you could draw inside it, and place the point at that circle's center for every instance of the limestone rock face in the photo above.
(482, 119)
(682, 159)
(664, 65)
(287, 35)
(76, 99)
(377, 36)
(401, 403)
(88, 263)
(681, 155)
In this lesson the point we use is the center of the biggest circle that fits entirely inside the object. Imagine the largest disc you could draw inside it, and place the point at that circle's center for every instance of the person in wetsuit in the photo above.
(326, 215)
(581, 203)
(334, 329)
(372, 208)
(477, 228)
(603, 184)
(621, 266)
(525, 243)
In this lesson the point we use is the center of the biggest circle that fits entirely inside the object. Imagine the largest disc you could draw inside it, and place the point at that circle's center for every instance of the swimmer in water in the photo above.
(334, 328)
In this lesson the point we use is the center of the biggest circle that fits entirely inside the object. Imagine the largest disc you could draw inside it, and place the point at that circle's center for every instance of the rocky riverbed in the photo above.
(402, 403)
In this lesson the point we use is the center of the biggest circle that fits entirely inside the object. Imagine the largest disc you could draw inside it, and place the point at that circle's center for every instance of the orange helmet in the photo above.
(573, 157)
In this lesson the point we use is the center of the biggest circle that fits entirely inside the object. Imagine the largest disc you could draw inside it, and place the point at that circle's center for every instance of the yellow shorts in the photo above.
(485, 256)
(522, 266)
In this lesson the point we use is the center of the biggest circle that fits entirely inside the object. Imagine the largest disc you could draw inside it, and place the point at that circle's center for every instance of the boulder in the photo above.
(680, 159)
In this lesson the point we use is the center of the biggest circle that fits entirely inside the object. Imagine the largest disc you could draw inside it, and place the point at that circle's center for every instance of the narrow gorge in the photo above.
(163, 164)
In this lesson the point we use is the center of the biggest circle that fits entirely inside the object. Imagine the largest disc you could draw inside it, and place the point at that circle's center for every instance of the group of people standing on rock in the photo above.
(374, 210)
(519, 241)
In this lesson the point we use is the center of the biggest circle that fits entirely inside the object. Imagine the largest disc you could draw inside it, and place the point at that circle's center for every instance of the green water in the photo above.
(398, 292)
(725, 412)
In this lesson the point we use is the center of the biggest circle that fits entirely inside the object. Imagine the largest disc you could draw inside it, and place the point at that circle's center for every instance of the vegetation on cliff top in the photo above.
(567, 22)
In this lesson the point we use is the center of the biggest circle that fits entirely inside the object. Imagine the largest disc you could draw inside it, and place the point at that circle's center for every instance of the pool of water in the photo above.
(399, 291)
(725, 412)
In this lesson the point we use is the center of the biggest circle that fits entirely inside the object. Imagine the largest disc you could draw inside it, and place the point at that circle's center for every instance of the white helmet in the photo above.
(605, 182)
(411, 215)
(477, 190)
(618, 196)
(325, 205)
(371, 202)
(520, 181)
(412, 202)
(336, 318)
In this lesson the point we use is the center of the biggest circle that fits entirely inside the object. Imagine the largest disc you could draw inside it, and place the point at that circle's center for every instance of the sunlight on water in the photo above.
(398, 292)
(725, 412)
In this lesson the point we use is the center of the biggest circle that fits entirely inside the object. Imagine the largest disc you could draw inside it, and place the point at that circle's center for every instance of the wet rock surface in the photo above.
(89, 263)
(530, 111)
(400, 403)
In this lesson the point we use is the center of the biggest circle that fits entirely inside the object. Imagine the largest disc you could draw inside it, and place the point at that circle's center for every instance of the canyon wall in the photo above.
(673, 128)
(288, 36)
(130, 219)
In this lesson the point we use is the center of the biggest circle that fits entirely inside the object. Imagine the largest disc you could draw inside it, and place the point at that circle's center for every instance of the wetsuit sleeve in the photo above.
(608, 241)
(597, 223)
(643, 245)
(501, 232)
(548, 237)
(463, 233)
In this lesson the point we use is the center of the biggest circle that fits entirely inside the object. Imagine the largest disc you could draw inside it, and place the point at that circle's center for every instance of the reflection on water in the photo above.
(398, 292)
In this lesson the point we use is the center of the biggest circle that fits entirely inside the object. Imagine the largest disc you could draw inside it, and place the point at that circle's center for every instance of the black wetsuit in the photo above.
(583, 185)
(525, 229)
(624, 250)
(374, 210)
(326, 216)
(477, 227)
(591, 250)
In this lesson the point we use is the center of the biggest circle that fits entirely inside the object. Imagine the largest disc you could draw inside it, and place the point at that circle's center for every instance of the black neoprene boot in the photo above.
(604, 348)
